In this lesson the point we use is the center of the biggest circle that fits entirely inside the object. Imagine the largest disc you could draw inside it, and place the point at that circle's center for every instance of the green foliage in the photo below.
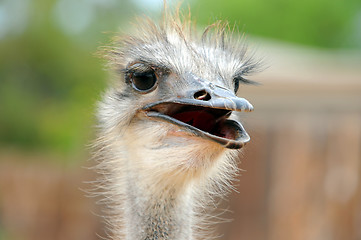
(47, 92)
(322, 23)
(48, 88)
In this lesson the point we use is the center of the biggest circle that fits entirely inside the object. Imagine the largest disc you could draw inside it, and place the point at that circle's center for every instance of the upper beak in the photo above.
(213, 97)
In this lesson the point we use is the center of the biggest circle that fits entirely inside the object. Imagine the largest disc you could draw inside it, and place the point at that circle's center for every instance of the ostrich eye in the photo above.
(143, 79)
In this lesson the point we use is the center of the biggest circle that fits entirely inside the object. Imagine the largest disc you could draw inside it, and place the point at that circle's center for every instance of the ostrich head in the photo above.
(168, 131)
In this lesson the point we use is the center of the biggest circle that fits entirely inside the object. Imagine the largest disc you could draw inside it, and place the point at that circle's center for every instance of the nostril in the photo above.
(202, 95)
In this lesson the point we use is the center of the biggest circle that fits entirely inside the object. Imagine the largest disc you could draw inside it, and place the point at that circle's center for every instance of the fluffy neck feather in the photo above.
(163, 214)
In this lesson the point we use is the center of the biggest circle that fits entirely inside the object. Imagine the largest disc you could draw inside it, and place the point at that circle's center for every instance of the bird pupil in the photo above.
(143, 81)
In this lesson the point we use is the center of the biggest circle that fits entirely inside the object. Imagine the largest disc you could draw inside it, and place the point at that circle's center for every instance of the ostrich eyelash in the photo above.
(239, 79)
(144, 66)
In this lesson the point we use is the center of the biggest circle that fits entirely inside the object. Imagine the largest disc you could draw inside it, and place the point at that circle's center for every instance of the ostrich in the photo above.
(168, 136)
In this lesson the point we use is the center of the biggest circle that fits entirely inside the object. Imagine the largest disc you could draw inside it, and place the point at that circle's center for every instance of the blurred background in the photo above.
(302, 169)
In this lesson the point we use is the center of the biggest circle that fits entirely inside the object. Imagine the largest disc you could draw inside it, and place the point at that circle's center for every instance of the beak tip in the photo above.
(249, 108)
(244, 105)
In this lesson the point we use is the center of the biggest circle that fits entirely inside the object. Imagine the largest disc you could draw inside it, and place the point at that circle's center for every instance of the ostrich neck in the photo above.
(162, 184)
(162, 214)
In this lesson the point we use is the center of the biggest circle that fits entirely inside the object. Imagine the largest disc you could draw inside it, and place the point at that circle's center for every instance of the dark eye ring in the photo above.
(143, 81)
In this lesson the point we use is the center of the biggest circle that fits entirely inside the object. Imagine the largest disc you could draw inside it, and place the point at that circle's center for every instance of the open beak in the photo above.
(205, 113)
